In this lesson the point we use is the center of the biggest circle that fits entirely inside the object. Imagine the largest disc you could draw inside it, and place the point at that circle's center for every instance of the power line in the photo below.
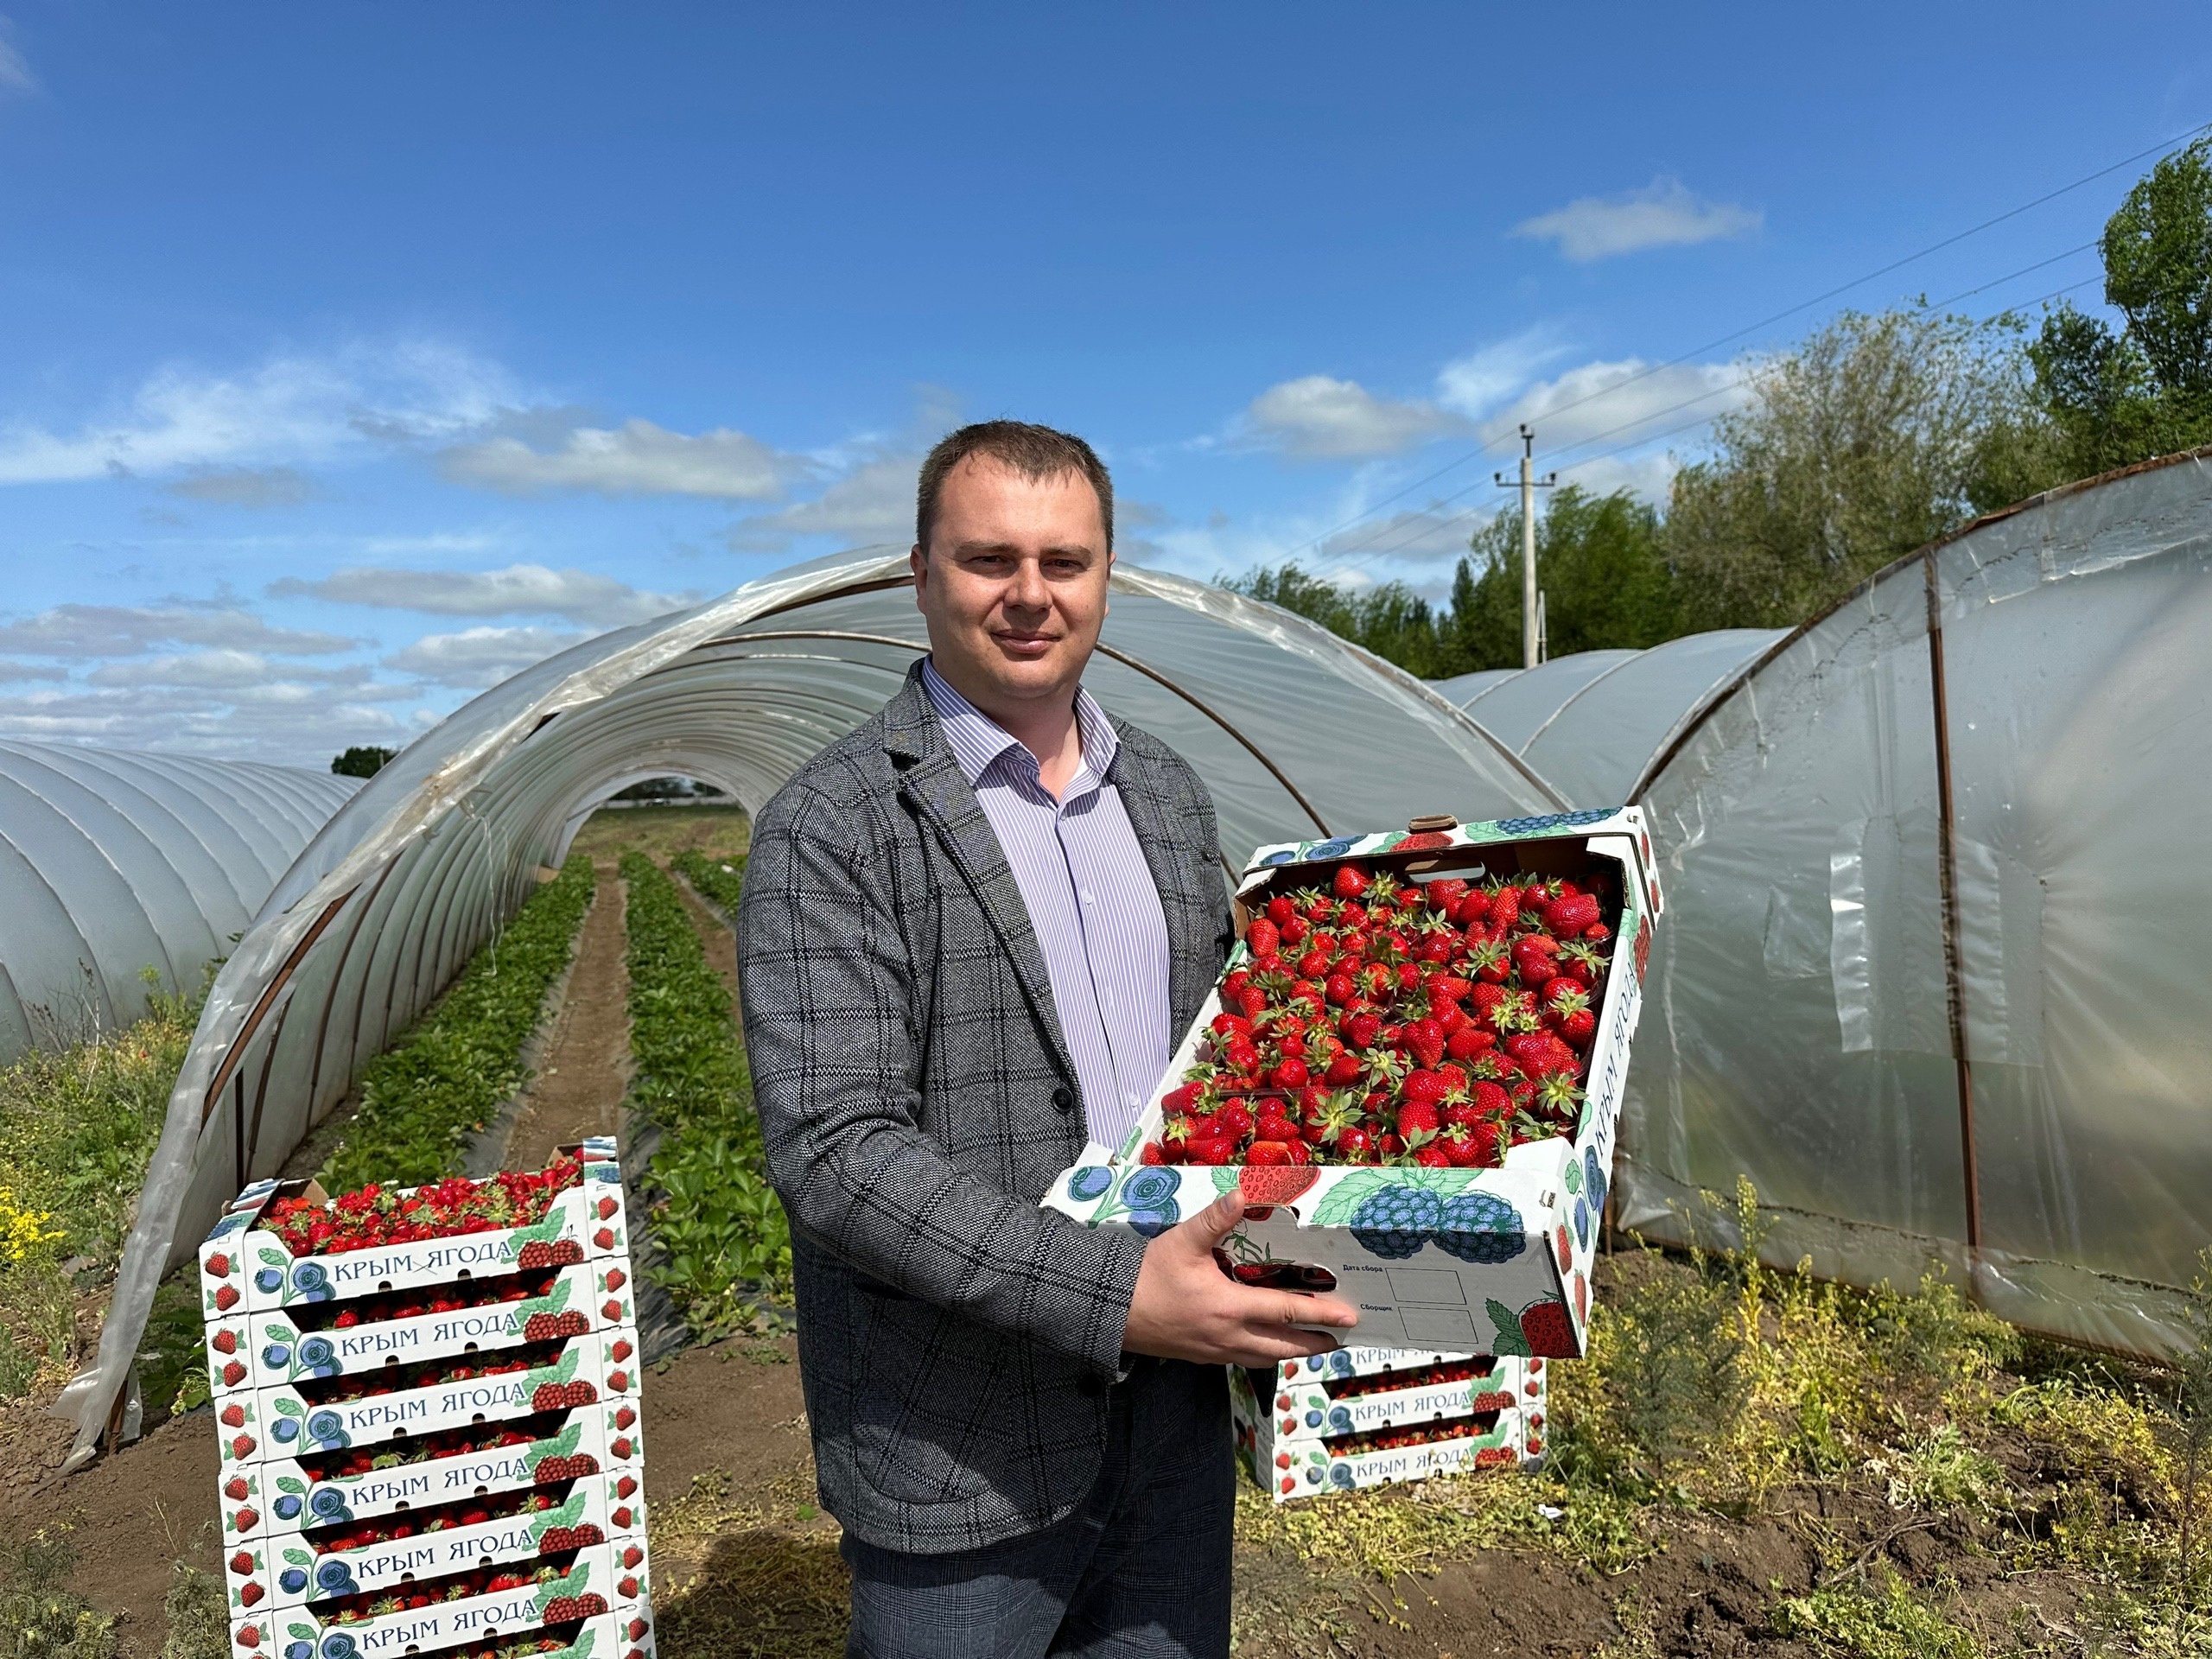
(1344, 561)
(1789, 311)
(1652, 437)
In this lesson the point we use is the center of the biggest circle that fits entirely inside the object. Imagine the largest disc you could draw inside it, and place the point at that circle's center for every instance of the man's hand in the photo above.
(1185, 1307)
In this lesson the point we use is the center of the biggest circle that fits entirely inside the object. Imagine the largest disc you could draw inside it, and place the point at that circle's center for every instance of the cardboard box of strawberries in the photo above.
(1318, 1433)
(1413, 1064)
(428, 1417)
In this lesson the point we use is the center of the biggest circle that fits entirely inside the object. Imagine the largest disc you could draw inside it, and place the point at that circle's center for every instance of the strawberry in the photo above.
(1469, 1041)
(603, 1239)
(1536, 959)
(242, 1563)
(615, 1279)
(1282, 908)
(249, 1636)
(636, 1629)
(223, 1342)
(1289, 1076)
(234, 1416)
(1267, 1152)
(227, 1297)
(1263, 939)
(621, 1349)
(247, 1520)
(1277, 1185)
(236, 1489)
(1568, 915)
(1504, 907)
(611, 1312)
(1443, 892)
(219, 1265)
(619, 1382)
(1490, 963)
(1352, 881)
(1425, 1038)
(1547, 1330)
(1417, 1118)
(234, 1374)
(1432, 1156)
(624, 1417)
(251, 1594)
(1354, 1145)
(625, 1486)
(1153, 1153)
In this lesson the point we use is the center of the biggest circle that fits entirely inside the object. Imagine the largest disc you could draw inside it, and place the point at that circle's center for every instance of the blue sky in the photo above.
(358, 355)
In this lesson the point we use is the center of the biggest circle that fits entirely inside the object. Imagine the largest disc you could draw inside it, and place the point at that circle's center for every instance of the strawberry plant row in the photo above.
(445, 1079)
(494, 1606)
(279, 1244)
(1455, 1201)
(718, 880)
(720, 1224)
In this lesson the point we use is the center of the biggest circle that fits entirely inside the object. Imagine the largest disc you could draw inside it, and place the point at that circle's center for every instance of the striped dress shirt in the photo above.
(1091, 900)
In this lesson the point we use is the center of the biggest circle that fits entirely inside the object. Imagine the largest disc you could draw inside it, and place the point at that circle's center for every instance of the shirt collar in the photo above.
(977, 741)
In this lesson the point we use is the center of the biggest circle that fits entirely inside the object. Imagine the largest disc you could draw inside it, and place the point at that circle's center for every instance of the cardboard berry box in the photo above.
(246, 1265)
(284, 1422)
(294, 1568)
(1506, 1432)
(265, 1349)
(1459, 1387)
(1468, 1260)
(605, 1635)
(1362, 1362)
(372, 1625)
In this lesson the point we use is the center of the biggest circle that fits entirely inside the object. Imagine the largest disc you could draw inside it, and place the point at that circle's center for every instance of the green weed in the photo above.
(441, 1082)
(719, 1223)
(198, 1611)
(41, 1618)
(1891, 1624)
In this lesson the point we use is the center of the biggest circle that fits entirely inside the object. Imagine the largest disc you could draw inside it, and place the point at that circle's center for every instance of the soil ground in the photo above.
(579, 1089)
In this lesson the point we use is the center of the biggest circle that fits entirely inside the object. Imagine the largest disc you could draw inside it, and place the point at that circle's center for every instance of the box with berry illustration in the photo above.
(375, 1407)
(1318, 1408)
(279, 1244)
(488, 1460)
(1413, 1065)
(1294, 1462)
(489, 1606)
(603, 1636)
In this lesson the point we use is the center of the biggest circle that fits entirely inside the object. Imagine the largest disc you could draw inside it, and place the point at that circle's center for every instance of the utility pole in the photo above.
(1530, 484)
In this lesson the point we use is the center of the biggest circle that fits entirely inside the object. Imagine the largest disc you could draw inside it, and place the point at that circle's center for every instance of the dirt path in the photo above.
(579, 1091)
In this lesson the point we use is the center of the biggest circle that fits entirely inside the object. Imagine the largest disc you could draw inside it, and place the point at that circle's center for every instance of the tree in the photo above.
(362, 760)
(1876, 435)
(1390, 619)
(1599, 562)
(2119, 396)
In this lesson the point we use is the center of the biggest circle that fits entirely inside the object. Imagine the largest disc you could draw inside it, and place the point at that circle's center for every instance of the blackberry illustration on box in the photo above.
(1454, 1201)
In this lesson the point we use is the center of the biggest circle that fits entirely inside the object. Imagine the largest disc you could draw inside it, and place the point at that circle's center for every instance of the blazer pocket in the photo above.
(927, 1424)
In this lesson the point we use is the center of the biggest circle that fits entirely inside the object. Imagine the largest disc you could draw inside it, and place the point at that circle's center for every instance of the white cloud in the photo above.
(479, 656)
(1622, 403)
(290, 410)
(518, 590)
(1476, 383)
(285, 723)
(14, 672)
(16, 78)
(1318, 417)
(226, 670)
(246, 486)
(1665, 214)
(637, 458)
(129, 629)
(872, 503)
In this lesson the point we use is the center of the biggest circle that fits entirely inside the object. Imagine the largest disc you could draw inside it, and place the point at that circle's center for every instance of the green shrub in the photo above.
(1891, 1626)
(41, 1618)
(198, 1615)
(718, 1222)
(441, 1082)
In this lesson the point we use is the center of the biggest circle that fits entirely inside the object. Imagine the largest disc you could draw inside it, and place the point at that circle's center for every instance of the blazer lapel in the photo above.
(932, 779)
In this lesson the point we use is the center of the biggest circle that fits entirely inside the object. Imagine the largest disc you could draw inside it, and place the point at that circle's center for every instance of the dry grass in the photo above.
(661, 832)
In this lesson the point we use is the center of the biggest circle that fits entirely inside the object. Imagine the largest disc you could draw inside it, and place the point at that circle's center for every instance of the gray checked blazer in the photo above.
(956, 1343)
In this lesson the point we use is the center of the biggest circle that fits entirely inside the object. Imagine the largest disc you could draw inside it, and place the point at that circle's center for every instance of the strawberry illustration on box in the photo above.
(282, 1244)
(1410, 1427)
(1413, 1065)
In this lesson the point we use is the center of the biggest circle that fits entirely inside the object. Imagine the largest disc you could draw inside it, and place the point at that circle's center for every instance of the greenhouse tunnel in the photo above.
(1934, 972)
(113, 863)
(1283, 719)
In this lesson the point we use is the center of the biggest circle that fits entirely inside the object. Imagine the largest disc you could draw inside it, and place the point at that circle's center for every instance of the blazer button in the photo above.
(1064, 1098)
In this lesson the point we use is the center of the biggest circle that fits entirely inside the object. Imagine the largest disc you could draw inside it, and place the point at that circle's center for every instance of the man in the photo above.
(971, 933)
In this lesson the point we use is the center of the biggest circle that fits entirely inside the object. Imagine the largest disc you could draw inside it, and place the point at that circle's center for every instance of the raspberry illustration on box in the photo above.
(970, 933)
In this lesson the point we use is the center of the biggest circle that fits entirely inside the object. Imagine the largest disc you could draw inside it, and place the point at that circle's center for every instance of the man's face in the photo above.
(1013, 582)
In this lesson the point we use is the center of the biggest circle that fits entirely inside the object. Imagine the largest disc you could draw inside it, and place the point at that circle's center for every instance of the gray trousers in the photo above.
(1140, 1571)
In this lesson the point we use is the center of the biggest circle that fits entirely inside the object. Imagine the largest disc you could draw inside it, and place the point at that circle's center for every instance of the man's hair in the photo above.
(1035, 452)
